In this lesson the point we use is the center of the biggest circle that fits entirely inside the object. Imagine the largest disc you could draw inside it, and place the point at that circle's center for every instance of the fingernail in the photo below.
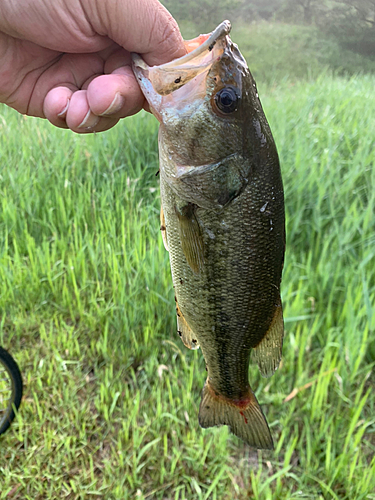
(115, 105)
(62, 113)
(89, 121)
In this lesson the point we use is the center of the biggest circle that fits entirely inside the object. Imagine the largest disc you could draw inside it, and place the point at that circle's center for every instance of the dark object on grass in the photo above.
(11, 388)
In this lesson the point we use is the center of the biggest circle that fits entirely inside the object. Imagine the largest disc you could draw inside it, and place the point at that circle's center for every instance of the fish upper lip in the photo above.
(222, 30)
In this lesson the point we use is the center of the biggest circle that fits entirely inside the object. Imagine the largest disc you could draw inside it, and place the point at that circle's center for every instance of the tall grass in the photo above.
(86, 307)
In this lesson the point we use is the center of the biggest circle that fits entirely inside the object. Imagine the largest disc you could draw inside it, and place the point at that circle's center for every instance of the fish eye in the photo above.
(227, 100)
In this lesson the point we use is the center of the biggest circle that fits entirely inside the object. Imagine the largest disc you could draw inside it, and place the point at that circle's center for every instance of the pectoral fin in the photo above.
(191, 237)
(267, 353)
(163, 229)
(184, 331)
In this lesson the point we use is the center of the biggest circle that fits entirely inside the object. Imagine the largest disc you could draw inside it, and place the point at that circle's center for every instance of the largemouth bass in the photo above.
(222, 220)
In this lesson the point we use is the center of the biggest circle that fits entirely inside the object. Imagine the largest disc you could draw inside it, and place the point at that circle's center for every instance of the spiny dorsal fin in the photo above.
(246, 420)
(163, 229)
(191, 237)
(184, 330)
(267, 354)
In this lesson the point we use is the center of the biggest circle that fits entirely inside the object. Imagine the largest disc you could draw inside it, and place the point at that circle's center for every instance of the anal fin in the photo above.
(267, 354)
(245, 418)
(184, 331)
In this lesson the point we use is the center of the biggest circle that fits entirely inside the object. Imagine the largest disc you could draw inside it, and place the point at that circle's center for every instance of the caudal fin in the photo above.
(245, 418)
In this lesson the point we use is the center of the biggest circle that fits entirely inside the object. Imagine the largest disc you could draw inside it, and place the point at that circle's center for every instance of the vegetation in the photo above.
(347, 23)
(87, 309)
(352, 23)
(277, 52)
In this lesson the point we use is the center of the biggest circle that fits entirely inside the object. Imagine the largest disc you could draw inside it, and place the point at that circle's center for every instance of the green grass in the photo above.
(86, 307)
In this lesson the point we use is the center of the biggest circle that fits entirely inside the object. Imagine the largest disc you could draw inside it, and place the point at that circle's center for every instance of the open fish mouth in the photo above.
(171, 76)
(165, 86)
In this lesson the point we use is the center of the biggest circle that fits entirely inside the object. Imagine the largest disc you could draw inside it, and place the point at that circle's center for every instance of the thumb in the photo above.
(142, 26)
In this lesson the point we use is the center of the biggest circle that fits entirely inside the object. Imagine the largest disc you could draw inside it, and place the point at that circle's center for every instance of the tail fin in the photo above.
(245, 418)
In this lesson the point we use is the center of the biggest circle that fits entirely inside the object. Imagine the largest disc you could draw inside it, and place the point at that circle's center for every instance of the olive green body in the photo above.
(230, 303)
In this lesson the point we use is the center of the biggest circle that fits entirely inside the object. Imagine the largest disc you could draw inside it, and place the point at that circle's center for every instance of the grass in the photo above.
(86, 307)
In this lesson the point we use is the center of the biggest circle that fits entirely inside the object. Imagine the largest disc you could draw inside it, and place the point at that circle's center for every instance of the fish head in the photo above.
(204, 100)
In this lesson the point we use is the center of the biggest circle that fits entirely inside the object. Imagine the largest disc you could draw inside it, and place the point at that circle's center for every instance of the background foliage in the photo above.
(350, 23)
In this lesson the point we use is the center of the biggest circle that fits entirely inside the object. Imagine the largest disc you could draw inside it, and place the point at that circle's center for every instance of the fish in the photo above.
(222, 221)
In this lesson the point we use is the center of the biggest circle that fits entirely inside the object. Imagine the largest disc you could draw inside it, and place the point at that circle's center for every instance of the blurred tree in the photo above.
(352, 22)
(308, 9)
(261, 9)
(305, 11)
(205, 14)
(363, 10)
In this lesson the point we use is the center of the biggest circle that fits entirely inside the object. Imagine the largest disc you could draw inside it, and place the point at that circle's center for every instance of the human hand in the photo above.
(69, 60)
